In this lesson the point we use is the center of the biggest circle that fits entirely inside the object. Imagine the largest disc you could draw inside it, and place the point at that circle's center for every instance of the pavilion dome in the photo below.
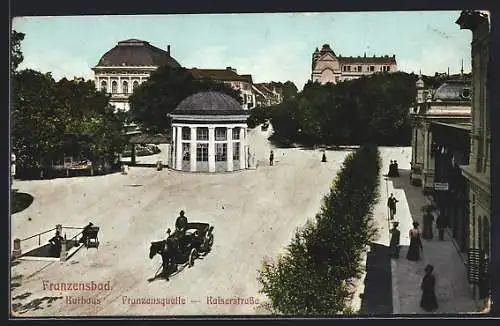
(209, 103)
(459, 90)
(135, 52)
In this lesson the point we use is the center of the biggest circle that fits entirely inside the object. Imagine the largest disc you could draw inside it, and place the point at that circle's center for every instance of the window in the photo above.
(372, 68)
(348, 68)
(186, 133)
(360, 68)
(135, 85)
(236, 133)
(186, 153)
(114, 87)
(104, 86)
(125, 87)
(220, 152)
(202, 133)
(202, 152)
(344, 68)
(236, 151)
(220, 133)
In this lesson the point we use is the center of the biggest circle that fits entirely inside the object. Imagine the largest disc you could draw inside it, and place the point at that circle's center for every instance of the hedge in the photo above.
(315, 275)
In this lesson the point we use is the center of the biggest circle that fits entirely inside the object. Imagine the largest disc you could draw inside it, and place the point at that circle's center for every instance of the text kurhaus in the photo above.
(76, 286)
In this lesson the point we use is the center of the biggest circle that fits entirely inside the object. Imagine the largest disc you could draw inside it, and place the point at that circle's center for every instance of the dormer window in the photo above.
(466, 94)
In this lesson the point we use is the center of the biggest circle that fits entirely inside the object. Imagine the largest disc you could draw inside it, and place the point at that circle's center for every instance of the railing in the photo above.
(39, 236)
(18, 251)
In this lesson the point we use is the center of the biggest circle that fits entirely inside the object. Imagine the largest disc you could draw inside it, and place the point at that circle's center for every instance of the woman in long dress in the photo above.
(428, 301)
(415, 249)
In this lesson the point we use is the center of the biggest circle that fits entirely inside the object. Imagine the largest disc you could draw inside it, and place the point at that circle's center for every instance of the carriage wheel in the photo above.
(192, 256)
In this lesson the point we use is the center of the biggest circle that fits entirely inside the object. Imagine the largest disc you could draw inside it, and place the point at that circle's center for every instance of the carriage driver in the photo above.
(181, 223)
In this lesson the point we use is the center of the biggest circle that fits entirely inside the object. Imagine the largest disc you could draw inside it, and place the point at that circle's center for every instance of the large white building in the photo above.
(126, 66)
(327, 67)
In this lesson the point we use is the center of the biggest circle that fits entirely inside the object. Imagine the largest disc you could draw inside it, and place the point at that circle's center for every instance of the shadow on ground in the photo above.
(411, 191)
(377, 298)
(35, 304)
(20, 201)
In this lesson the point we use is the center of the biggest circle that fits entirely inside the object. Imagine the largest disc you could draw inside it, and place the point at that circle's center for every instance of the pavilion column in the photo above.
(178, 155)
(211, 149)
(243, 143)
(229, 149)
(109, 88)
(173, 147)
(192, 150)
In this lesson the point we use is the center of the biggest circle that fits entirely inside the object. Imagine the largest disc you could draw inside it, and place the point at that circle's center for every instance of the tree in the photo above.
(163, 91)
(16, 55)
(289, 90)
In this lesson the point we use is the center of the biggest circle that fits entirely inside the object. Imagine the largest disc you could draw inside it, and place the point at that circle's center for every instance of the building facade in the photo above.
(229, 76)
(449, 103)
(267, 95)
(327, 67)
(126, 66)
(209, 134)
(478, 171)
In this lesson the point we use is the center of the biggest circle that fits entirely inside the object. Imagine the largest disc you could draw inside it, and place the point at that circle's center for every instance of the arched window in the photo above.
(104, 86)
(114, 87)
(125, 87)
(135, 85)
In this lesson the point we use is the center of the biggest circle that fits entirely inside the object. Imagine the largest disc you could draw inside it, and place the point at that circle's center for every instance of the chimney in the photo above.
(168, 49)
(231, 69)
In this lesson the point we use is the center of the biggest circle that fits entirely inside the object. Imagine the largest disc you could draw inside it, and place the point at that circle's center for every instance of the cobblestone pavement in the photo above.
(453, 292)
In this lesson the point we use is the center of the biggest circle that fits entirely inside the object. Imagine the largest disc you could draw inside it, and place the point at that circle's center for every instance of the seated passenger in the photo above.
(85, 233)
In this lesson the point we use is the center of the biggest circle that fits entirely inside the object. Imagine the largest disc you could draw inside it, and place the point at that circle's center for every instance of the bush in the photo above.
(315, 275)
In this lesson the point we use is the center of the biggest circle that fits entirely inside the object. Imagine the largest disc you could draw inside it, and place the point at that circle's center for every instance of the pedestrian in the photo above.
(428, 220)
(440, 225)
(323, 158)
(415, 250)
(391, 169)
(394, 243)
(428, 302)
(396, 168)
(271, 158)
(391, 203)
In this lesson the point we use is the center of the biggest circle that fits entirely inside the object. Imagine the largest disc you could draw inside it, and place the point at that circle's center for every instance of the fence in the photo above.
(21, 245)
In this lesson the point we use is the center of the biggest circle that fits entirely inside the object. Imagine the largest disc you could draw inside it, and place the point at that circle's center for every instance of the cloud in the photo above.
(436, 59)
(59, 64)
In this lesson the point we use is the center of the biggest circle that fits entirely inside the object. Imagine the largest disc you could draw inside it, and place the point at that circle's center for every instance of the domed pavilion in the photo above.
(209, 134)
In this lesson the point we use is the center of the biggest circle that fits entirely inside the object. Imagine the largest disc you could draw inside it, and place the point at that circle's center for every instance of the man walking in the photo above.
(271, 158)
(440, 226)
(391, 203)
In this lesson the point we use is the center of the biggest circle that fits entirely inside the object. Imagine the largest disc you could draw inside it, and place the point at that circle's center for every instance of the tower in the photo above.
(420, 89)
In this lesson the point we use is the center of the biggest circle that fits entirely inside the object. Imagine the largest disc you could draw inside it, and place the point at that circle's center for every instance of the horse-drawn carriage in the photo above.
(181, 248)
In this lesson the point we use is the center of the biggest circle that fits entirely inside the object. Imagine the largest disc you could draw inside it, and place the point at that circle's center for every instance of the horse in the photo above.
(168, 249)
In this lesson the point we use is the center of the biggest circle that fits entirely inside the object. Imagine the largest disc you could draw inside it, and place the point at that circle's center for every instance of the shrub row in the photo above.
(315, 275)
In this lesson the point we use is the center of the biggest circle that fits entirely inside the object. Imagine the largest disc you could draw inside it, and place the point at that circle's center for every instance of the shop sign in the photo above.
(441, 186)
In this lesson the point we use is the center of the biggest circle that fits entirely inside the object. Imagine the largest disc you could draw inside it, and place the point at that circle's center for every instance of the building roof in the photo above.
(454, 90)
(209, 103)
(150, 139)
(227, 74)
(135, 52)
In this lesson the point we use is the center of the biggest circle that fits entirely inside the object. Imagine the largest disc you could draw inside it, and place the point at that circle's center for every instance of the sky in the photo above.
(269, 46)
